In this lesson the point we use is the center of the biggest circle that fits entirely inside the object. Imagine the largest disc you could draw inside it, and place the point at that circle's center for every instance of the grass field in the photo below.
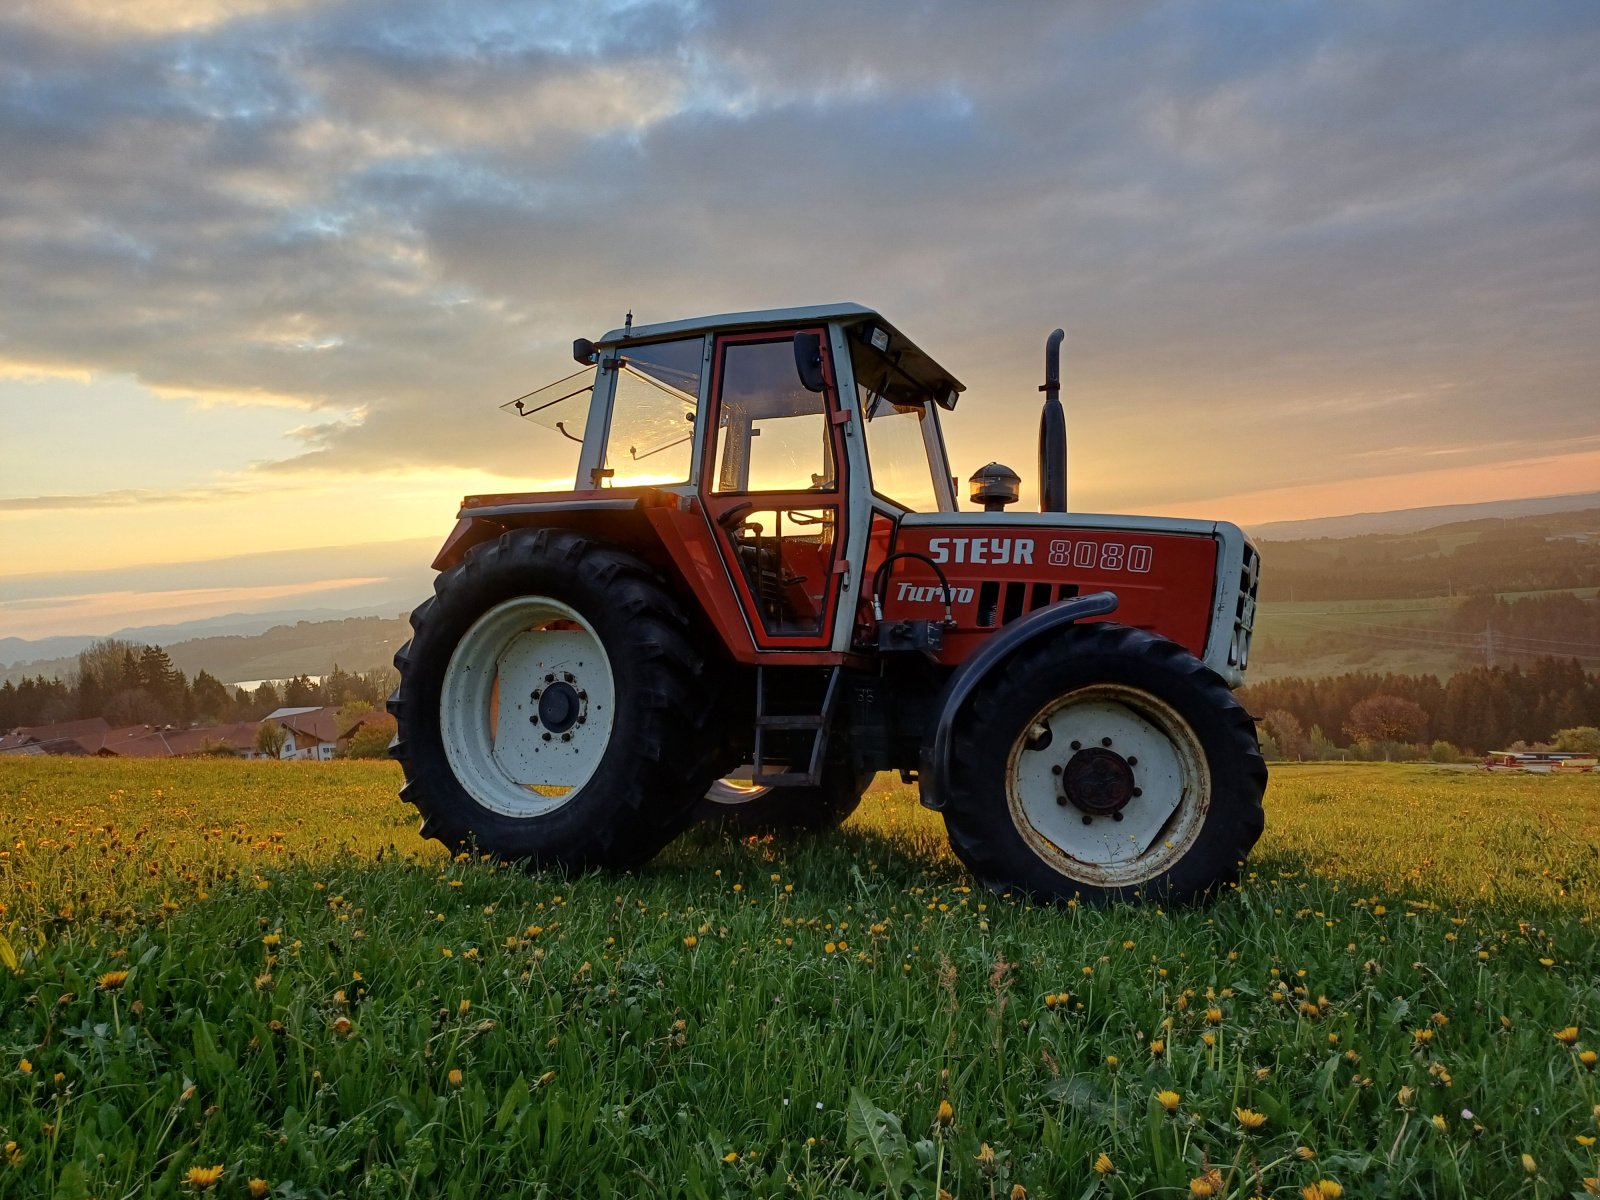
(258, 968)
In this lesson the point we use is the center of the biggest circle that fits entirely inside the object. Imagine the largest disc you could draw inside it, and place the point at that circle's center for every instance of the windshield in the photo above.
(651, 440)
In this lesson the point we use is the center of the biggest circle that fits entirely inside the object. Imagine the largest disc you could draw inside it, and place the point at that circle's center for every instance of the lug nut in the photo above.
(1062, 801)
(567, 737)
(547, 736)
(535, 694)
(1116, 816)
(582, 695)
(1138, 791)
(569, 677)
(533, 720)
(1088, 820)
(1132, 761)
(1056, 770)
(549, 678)
(1077, 745)
(581, 720)
(1105, 741)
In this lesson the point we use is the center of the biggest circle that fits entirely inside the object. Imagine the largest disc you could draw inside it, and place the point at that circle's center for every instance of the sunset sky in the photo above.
(267, 270)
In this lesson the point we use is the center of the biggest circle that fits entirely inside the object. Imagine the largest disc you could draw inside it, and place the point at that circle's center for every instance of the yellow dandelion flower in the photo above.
(1210, 1039)
(546, 1079)
(1157, 1048)
(1322, 1189)
(1588, 1058)
(271, 939)
(1103, 1164)
(1529, 1164)
(829, 948)
(1304, 1153)
(1405, 1095)
(112, 980)
(25, 1067)
(1249, 1120)
(341, 1025)
(731, 1157)
(1169, 1100)
(1567, 1036)
(1591, 1184)
(1209, 1184)
(947, 1112)
(1018, 1192)
(1439, 1122)
(986, 1158)
(1584, 1140)
(454, 1077)
(1214, 1016)
(258, 1189)
(203, 1179)
(1111, 1061)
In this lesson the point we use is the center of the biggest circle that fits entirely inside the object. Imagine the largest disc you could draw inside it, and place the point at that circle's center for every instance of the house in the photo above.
(313, 733)
(64, 737)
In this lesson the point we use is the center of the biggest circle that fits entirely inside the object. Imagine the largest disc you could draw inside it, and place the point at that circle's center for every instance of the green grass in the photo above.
(783, 1018)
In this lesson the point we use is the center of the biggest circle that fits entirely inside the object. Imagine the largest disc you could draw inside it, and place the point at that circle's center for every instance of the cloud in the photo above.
(1266, 230)
(123, 498)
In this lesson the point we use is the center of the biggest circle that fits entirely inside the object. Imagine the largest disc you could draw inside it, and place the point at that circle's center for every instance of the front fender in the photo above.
(934, 762)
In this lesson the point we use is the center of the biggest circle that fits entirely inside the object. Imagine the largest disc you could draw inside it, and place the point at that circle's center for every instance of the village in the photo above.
(306, 734)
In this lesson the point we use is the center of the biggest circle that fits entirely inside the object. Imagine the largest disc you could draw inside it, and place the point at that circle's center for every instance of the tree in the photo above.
(1287, 732)
(372, 739)
(271, 739)
(211, 701)
(300, 692)
(1384, 718)
(265, 699)
(1580, 739)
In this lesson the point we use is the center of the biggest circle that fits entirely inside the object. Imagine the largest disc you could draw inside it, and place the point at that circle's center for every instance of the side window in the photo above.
(897, 453)
(651, 439)
(773, 435)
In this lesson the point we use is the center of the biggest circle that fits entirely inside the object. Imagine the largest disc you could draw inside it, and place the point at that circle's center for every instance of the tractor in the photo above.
(761, 591)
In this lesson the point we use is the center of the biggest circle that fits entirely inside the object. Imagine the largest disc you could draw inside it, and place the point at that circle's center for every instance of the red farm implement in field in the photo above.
(761, 591)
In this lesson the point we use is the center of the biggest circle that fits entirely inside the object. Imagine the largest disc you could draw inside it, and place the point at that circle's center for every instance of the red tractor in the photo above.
(761, 591)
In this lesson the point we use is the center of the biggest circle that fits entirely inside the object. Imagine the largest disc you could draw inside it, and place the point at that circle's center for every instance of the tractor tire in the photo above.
(1106, 765)
(552, 706)
(746, 808)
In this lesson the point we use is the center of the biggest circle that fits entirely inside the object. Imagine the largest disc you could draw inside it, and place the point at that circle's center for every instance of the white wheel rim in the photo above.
(1152, 830)
(506, 757)
(734, 791)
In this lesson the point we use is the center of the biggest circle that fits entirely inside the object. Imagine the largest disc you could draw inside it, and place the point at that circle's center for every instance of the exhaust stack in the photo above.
(1052, 432)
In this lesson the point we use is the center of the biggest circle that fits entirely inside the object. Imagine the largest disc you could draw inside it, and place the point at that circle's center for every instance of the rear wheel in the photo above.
(1108, 764)
(550, 705)
(743, 806)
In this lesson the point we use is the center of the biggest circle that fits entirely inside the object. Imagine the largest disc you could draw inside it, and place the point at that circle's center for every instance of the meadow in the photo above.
(253, 979)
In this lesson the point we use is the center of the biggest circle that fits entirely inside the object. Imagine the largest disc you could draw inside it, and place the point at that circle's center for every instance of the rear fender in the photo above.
(934, 762)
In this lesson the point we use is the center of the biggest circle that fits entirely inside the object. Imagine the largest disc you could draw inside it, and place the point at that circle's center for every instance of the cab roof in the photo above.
(910, 358)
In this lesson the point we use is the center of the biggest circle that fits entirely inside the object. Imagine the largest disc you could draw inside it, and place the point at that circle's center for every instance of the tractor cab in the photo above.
(791, 442)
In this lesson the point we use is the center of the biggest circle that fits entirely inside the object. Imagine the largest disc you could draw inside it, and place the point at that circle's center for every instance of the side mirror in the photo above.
(808, 361)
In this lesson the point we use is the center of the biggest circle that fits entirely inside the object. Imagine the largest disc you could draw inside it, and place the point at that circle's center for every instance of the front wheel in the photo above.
(551, 705)
(1110, 763)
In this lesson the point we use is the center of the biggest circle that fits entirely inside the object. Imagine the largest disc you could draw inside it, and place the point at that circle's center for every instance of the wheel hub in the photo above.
(560, 706)
(1098, 781)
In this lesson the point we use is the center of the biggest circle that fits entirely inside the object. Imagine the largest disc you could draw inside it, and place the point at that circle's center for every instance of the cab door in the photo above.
(773, 481)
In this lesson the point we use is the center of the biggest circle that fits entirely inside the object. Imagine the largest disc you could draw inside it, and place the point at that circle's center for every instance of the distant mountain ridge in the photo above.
(1415, 520)
(16, 652)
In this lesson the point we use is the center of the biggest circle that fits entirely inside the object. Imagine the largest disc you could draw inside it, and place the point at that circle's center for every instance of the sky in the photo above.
(268, 268)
